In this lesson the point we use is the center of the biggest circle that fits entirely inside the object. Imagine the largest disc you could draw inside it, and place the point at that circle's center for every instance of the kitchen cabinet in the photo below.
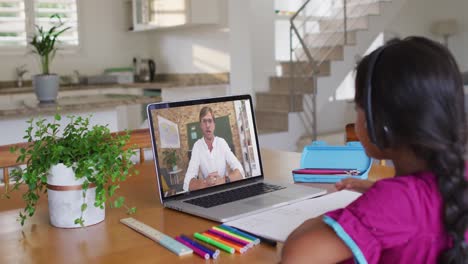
(159, 14)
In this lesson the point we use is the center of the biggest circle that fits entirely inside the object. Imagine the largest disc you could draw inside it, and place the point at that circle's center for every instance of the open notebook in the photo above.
(278, 223)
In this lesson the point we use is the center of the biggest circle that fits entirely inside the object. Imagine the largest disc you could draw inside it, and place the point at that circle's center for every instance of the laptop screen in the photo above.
(204, 143)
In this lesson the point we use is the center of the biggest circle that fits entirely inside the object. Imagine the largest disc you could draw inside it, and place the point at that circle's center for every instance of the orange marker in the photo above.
(227, 243)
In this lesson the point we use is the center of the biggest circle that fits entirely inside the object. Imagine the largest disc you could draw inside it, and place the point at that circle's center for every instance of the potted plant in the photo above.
(80, 170)
(44, 42)
(171, 159)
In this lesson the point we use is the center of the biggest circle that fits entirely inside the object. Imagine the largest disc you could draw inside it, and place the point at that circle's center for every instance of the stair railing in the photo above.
(304, 64)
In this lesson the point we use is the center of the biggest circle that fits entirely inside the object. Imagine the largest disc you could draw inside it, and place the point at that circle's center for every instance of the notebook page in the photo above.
(278, 223)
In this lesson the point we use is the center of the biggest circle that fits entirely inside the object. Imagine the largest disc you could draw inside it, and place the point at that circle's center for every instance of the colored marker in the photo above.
(237, 248)
(214, 253)
(214, 243)
(236, 231)
(197, 251)
(232, 234)
(230, 238)
(262, 239)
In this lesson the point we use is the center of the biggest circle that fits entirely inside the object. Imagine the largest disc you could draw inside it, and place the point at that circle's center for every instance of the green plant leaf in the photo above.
(44, 42)
(119, 202)
(131, 210)
(84, 207)
(79, 221)
(112, 188)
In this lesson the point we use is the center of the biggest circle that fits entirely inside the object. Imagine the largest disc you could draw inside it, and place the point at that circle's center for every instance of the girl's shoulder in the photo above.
(407, 197)
(421, 182)
(406, 188)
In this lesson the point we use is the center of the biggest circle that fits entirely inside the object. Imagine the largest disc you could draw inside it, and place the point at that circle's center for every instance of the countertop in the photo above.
(162, 81)
(148, 85)
(68, 104)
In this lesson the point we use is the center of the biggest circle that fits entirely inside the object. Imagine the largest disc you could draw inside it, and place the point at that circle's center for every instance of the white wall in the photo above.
(194, 49)
(252, 46)
(416, 18)
(198, 49)
(105, 42)
(262, 43)
(242, 44)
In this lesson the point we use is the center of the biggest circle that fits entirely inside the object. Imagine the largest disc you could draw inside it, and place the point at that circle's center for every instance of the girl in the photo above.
(410, 109)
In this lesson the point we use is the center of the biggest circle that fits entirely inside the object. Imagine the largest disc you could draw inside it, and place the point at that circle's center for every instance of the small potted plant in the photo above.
(82, 167)
(171, 159)
(44, 42)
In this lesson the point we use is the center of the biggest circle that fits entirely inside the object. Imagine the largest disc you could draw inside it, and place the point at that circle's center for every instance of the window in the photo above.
(67, 10)
(19, 17)
(12, 23)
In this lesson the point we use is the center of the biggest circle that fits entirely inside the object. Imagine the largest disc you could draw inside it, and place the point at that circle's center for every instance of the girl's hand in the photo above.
(354, 184)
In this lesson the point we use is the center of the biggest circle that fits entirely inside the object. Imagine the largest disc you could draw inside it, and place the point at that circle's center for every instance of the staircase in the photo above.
(323, 48)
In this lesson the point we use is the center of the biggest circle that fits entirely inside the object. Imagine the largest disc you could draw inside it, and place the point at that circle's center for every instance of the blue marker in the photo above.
(255, 240)
(213, 253)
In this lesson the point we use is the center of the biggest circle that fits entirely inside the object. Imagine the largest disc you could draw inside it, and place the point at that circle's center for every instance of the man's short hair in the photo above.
(204, 111)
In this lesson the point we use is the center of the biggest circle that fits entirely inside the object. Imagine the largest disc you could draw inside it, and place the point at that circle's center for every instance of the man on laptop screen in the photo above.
(210, 155)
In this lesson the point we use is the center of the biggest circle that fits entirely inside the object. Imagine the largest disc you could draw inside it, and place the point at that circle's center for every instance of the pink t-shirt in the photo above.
(398, 220)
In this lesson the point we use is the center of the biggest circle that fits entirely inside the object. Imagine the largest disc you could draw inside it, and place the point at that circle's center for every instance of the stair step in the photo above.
(304, 68)
(323, 53)
(272, 120)
(282, 85)
(277, 101)
(329, 39)
(337, 25)
(270, 131)
(359, 2)
(357, 10)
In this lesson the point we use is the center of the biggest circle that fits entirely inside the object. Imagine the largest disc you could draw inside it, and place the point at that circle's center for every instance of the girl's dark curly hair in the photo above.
(417, 94)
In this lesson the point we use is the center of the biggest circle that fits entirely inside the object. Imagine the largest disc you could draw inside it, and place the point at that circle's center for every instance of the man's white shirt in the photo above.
(206, 162)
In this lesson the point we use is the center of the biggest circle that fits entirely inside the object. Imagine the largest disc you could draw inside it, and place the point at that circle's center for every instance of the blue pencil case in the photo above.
(320, 155)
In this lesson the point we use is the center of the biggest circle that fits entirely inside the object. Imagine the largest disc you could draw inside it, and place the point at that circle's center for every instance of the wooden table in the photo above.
(111, 242)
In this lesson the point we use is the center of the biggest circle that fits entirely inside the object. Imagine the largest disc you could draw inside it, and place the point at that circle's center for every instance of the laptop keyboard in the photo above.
(234, 195)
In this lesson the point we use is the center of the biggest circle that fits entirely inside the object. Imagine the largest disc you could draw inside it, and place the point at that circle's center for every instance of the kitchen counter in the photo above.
(152, 85)
(68, 104)
(162, 81)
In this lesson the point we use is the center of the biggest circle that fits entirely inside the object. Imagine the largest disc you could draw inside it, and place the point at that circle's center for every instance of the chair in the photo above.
(350, 133)
(139, 139)
(171, 187)
(8, 159)
(351, 136)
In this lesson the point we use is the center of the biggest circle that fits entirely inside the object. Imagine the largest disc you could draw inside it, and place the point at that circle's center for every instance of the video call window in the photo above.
(184, 136)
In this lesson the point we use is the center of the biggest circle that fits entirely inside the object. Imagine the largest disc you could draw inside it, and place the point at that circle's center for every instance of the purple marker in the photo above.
(197, 251)
(213, 253)
(232, 239)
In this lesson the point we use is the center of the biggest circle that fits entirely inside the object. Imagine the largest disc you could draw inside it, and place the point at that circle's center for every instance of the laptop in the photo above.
(208, 161)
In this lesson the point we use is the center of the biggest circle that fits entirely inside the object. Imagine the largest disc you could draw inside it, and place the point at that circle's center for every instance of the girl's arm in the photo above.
(354, 184)
(314, 242)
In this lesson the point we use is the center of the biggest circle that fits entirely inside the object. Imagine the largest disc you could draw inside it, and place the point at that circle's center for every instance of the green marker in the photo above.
(214, 243)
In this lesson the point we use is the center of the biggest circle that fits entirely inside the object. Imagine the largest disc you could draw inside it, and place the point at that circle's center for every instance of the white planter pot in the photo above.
(46, 87)
(65, 196)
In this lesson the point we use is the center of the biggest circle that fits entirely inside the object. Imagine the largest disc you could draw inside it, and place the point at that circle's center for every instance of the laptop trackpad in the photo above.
(265, 201)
